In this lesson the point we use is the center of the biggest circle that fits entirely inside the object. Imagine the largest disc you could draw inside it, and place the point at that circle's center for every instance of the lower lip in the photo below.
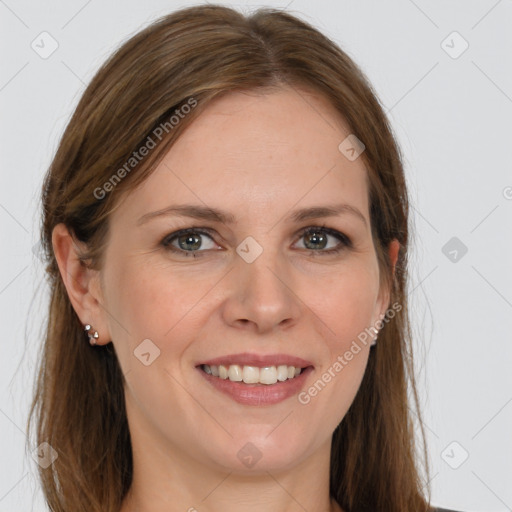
(258, 394)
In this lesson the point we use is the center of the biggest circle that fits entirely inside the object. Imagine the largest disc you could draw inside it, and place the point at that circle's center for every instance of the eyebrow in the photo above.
(216, 215)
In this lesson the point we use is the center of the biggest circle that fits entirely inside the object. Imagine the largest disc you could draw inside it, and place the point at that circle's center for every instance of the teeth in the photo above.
(223, 372)
(282, 372)
(235, 373)
(253, 374)
(268, 375)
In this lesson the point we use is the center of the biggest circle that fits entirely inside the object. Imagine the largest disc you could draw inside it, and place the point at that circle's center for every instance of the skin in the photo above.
(277, 152)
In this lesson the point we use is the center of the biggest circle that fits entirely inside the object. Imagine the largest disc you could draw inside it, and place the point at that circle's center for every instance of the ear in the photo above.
(82, 283)
(394, 248)
(385, 296)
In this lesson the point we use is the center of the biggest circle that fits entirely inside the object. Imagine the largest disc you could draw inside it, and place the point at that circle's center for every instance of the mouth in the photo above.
(254, 380)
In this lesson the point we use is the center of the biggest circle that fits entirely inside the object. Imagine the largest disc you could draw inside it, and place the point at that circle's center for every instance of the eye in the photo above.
(188, 241)
(316, 239)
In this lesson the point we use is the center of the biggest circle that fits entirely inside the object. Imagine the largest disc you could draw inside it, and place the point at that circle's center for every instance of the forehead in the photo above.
(283, 123)
(250, 151)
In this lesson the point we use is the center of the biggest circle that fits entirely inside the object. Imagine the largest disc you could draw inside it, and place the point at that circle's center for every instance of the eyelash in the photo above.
(345, 241)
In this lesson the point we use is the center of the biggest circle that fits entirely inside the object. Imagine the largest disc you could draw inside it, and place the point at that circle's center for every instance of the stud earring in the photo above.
(93, 336)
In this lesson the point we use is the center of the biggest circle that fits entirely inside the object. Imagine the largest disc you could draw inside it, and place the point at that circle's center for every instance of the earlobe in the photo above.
(80, 281)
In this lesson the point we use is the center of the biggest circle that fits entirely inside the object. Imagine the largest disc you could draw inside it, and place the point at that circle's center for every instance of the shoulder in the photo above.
(436, 509)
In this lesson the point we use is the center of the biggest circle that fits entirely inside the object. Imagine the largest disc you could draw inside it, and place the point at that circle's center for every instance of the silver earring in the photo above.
(93, 336)
(374, 342)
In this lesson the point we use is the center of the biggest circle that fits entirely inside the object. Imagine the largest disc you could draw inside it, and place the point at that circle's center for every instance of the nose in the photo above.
(261, 297)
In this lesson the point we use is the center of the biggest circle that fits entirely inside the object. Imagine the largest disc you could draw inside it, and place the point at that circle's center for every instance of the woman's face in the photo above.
(249, 288)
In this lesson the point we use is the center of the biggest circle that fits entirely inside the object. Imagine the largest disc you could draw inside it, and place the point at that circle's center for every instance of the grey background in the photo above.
(452, 118)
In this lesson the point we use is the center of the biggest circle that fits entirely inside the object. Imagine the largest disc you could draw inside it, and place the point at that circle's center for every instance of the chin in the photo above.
(250, 453)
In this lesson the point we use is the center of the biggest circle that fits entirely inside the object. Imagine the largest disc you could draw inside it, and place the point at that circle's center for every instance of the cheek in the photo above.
(145, 302)
(348, 312)
(151, 300)
(347, 302)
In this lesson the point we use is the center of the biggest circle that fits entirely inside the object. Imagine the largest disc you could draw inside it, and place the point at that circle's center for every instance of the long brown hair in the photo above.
(201, 53)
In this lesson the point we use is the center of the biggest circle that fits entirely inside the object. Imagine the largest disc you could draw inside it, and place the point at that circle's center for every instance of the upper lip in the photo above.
(247, 359)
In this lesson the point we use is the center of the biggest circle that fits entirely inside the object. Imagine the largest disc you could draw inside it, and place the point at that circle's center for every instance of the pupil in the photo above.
(315, 238)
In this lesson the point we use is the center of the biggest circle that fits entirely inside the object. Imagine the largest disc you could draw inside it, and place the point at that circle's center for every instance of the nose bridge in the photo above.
(261, 293)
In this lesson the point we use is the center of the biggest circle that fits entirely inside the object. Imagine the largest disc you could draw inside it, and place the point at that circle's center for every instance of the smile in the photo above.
(258, 386)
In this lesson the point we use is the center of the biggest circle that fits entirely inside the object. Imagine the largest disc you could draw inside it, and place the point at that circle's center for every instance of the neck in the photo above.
(170, 480)
(229, 495)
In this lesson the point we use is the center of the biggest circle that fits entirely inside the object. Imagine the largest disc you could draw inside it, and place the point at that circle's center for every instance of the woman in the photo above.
(226, 230)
